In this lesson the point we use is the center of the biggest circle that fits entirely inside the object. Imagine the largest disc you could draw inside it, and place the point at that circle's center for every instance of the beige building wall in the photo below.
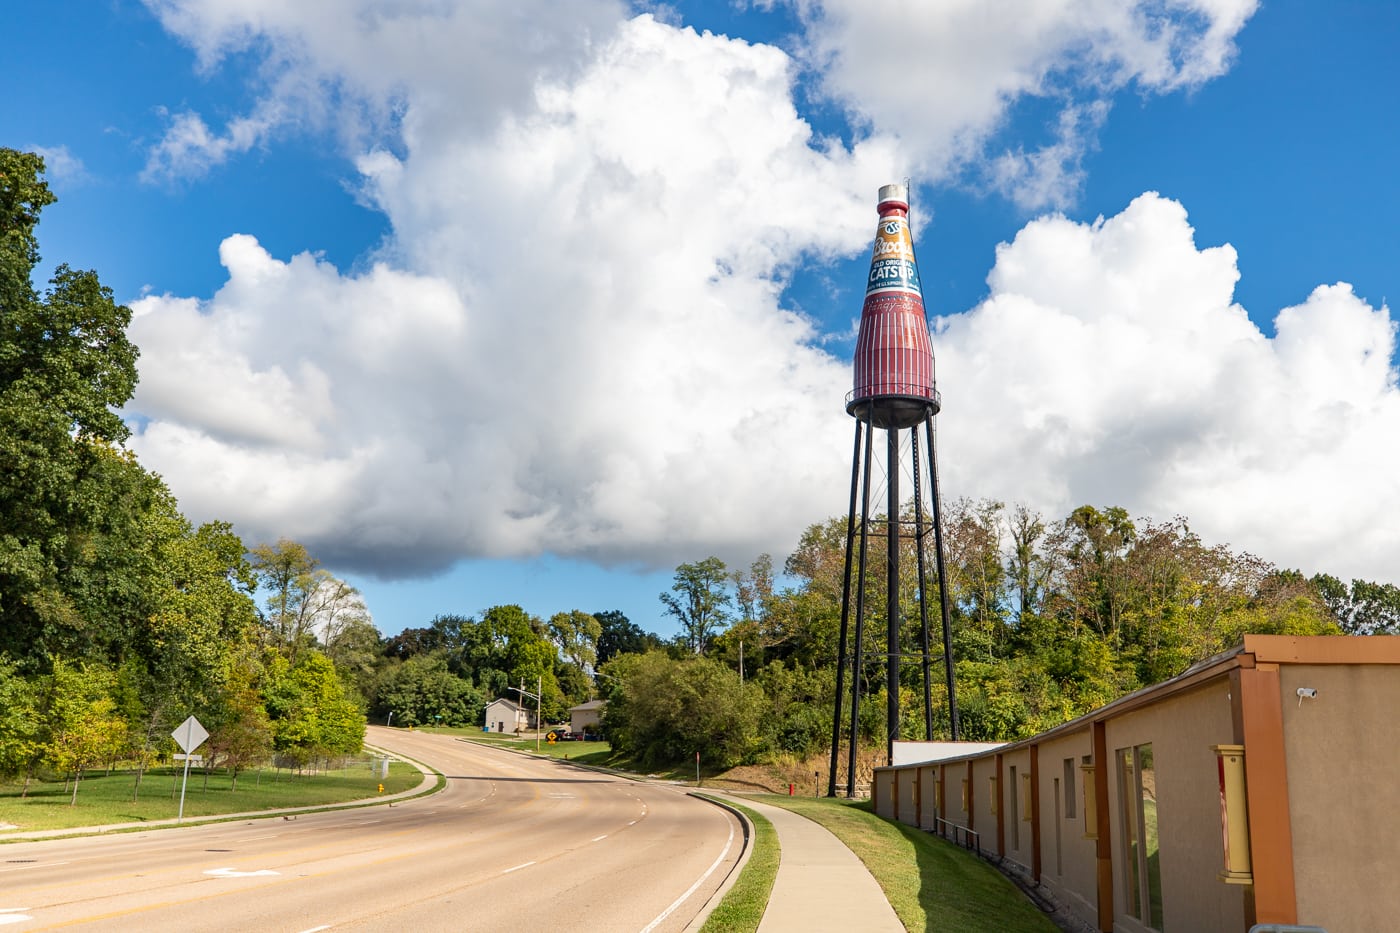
(907, 783)
(1016, 768)
(1066, 853)
(1181, 729)
(955, 773)
(984, 817)
(1343, 788)
(928, 797)
(882, 789)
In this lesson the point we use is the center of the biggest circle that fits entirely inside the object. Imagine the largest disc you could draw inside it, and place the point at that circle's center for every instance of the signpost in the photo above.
(189, 735)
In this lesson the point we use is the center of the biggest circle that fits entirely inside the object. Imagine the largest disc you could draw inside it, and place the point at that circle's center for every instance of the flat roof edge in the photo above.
(1324, 649)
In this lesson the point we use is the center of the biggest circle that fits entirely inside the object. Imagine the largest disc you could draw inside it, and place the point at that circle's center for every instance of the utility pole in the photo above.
(538, 697)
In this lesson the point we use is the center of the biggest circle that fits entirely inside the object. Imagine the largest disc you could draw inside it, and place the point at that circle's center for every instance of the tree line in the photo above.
(119, 617)
(1051, 618)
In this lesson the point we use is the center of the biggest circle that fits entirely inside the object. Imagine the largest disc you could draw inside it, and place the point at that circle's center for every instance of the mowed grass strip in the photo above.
(587, 752)
(104, 799)
(931, 883)
(742, 908)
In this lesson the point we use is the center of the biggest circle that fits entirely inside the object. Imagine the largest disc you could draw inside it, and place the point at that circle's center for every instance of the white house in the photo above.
(508, 716)
(585, 717)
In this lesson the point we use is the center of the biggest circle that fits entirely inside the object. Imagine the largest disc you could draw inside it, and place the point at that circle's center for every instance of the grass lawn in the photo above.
(931, 883)
(742, 908)
(587, 752)
(103, 799)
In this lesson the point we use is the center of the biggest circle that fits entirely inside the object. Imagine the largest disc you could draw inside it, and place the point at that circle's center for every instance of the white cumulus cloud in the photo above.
(574, 340)
(1110, 365)
(942, 76)
(581, 349)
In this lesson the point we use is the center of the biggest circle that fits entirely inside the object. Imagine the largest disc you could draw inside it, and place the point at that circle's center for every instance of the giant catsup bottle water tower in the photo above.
(894, 384)
(894, 391)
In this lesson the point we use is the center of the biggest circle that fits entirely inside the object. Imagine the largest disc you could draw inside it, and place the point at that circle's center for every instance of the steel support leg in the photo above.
(845, 616)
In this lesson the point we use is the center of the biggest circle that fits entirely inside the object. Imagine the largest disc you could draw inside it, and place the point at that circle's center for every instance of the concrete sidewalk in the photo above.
(821, 884)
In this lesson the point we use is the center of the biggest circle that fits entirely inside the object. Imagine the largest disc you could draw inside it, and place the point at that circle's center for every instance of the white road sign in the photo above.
(189, 735)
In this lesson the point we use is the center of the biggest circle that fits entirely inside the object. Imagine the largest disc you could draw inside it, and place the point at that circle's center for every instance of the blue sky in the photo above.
(530, 310)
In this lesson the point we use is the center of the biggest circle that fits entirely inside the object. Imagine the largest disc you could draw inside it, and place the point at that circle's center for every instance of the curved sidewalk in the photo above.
(821, 884)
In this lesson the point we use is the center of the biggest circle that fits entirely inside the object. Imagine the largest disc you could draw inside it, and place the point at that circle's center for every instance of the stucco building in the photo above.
(1256, 787)
(508, 716)
(584, 718)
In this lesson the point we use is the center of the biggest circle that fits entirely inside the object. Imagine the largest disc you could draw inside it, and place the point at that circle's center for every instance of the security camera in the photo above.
(1309, 693)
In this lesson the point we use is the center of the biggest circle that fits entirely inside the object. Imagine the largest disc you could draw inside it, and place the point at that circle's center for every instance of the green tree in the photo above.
(1088, 551)
(84, 727)
(305, 601)
(511, 648)
(977, 580)
(576, 633)
(355, 647)
(1025, 567)
(66, 366)
(699, 601)
(240, 733)
(21, 726)
(619, 635)
(422, 690)
(1364, 608)
(312, 717)
(663, 710)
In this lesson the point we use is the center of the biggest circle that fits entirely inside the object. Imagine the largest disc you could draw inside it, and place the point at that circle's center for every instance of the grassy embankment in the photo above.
(931, 883)
(104, 799)
(743, 906)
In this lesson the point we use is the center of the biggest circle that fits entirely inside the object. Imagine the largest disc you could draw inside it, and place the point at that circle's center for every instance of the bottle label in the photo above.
(892, 267)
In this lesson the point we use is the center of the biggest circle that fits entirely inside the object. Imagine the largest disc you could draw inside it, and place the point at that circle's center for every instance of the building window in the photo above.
(1059, 867)
(1069, 788)
(1137, 796)
(1091, 798)
(1015, 813)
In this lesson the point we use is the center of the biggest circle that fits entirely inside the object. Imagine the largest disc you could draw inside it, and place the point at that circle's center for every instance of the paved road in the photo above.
(513, 844)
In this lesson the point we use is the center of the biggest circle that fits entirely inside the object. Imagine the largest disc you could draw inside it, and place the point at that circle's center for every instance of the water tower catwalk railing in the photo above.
(894, 390)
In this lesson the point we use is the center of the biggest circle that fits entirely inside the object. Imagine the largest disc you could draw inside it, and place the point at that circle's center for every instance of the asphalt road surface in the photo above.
(513, 844)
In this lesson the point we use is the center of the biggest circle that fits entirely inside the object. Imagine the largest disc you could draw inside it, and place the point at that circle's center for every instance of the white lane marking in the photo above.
(35, 865)
(235, 873)
(597, 838)
(517, 868)
(264, 836)
(324, 926)
(10, 915)
(367, 822)
(699, 881)
(633, 823)
(562, 796)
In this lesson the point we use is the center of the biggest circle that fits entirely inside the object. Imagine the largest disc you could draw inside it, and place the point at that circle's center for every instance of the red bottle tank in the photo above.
(894, 382)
